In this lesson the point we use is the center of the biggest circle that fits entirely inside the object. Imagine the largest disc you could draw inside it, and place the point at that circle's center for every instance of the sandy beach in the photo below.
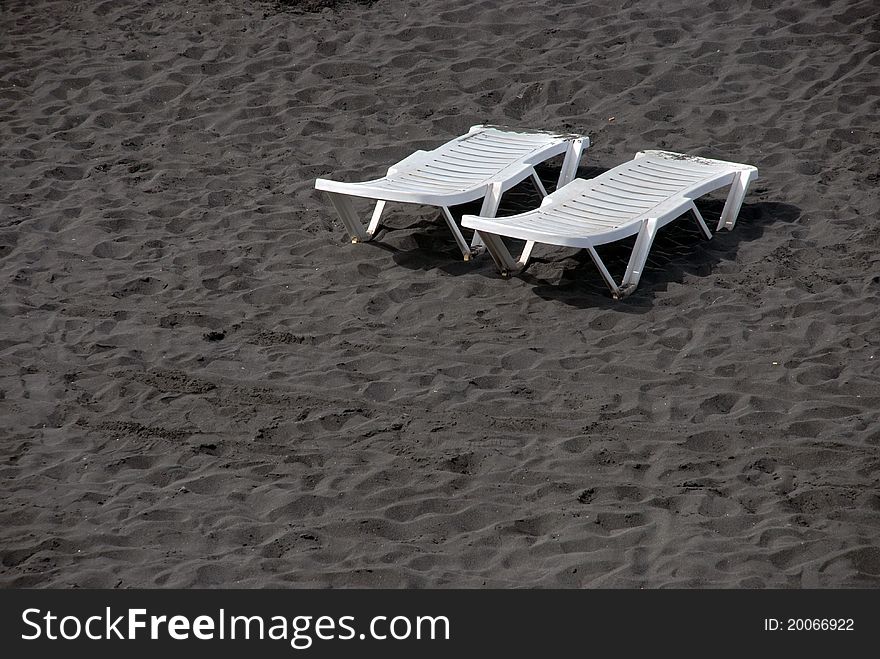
(204, 384)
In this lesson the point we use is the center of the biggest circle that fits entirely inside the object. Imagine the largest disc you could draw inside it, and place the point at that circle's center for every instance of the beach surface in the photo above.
(204, 384)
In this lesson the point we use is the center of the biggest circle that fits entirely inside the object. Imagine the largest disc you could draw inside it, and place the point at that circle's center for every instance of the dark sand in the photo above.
(202, 383)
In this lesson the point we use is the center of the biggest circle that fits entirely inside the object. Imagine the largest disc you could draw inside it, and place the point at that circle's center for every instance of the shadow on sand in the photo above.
(679, 250)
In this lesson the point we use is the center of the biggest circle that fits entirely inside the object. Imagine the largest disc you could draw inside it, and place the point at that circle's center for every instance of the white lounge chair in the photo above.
(484, 163)
(637, 197)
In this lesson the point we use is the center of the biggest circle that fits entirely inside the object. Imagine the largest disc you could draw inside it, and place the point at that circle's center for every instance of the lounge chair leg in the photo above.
(700, 221)
(609, 280)
(538, 183)
(499, 254)
(456, 232)
(374, 221)
(526, 254)
(638, 258)
(571, 162)
(530, 244)
(734, 202)
(346, 213)
(489, 209)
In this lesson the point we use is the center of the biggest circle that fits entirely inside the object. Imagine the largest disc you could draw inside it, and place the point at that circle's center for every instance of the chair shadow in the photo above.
(680, 250)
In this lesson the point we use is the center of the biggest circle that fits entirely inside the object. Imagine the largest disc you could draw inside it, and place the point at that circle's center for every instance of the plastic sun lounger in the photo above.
(637, 197)
(484, 163)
